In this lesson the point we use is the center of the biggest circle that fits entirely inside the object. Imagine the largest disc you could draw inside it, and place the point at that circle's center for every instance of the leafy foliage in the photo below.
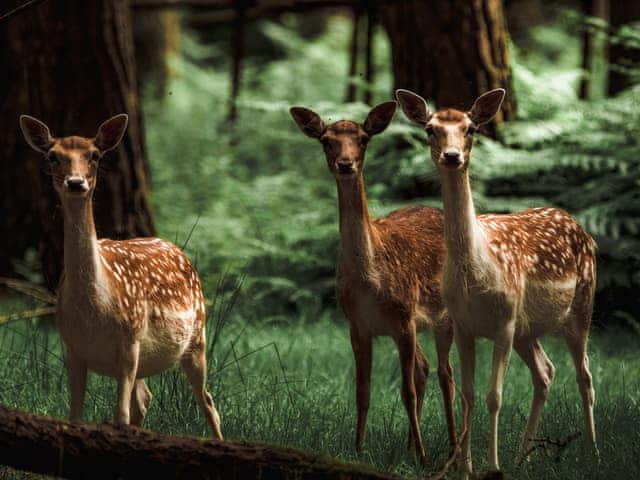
(265, 204)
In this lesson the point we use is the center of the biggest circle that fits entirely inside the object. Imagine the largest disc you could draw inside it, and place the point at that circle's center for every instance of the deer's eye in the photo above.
(53, 158)
(471, 130)
(95, 156)
(429, 130)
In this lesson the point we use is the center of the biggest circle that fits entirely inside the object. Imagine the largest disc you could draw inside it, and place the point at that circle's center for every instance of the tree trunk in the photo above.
(56, 447)
(594, 50)
(354, 48)
(622, 57)
(71, 64)
(156, 35)
(450, 52)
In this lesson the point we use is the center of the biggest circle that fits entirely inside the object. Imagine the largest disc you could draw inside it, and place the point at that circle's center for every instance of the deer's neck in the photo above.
(81, 255)
(463, 236)
(356, 230)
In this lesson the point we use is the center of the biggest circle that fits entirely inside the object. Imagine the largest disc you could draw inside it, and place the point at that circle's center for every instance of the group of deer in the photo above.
(133, 308)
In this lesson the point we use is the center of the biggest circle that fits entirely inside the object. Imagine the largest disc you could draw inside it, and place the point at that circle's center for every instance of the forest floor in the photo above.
(294, 385)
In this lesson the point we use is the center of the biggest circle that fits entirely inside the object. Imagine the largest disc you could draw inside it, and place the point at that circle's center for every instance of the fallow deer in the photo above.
(510, 278)
(388, 272)
(126, 309)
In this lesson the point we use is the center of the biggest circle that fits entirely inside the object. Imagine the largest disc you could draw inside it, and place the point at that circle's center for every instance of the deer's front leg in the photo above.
(467, 353)
(77, 374)
(361, 345)
(128, 368)
(503, 344)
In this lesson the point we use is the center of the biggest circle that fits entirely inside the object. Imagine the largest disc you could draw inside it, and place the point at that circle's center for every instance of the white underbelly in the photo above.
(546, 306)
(100, 342)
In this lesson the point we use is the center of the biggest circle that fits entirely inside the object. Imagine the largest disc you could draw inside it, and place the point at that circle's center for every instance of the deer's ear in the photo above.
(36, 133)
(308, 121)
(486, 106)
(414, 106)
(110, 132)
(379, 118)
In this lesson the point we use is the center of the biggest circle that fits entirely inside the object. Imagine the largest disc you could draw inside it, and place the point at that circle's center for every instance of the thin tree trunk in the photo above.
(594, 50)
(354, 49)
(587, 9)
(56, 447)
(450, 52)
(71, 64)
(368, 54)
(237, 55)
(622, 57)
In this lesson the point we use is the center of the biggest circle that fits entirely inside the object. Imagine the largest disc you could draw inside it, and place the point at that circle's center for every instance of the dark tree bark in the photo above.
(71, 64)
(354, 48)
(156, 35)
(622, 57)
(237, 55)
(450, 52)
(369, 66)
(55, 447)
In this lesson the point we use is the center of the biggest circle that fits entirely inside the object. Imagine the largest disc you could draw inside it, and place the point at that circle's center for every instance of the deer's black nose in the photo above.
(76, 183)
(345, 167)
(452, 158)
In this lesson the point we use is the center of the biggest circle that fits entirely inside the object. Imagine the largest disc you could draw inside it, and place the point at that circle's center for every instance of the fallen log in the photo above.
(77, 451)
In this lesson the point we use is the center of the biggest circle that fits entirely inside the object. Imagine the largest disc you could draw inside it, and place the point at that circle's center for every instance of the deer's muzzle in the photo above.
(76, 184)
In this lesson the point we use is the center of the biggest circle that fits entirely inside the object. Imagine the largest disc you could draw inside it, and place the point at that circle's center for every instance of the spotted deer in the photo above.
(126, 309)
(509, 278)
(388, 272)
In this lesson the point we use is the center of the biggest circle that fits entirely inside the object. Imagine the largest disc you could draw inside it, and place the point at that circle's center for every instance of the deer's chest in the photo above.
(373, 312)
(476, 301)
(93, 332)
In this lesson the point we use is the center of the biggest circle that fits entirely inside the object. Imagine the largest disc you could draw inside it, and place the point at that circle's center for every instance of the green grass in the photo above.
(294, 385)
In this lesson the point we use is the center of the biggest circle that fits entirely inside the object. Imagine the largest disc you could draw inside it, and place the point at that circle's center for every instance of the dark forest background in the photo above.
(211, 148)
(213, 161)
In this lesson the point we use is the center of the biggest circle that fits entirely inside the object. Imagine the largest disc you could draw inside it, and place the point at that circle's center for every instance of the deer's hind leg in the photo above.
(140, 400)
(421, 373)
(576, 336)
(406, 342)
(577, 345)
(194, 364)
(542, 373)
(444, 339)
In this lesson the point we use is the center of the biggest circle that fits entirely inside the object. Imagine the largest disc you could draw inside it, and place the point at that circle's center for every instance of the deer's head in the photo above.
(450, 131)
(344, 142)
(73, 161)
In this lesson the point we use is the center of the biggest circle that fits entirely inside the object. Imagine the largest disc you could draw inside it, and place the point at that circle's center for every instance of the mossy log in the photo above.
(74, 450)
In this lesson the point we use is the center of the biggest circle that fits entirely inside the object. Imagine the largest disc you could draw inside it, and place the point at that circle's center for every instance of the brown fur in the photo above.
(387, 275)
(511, 278)
(126, 309)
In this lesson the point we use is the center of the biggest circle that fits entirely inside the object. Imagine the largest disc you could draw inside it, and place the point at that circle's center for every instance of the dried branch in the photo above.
(34, 313)
(5, 17)
(545, 443)
(31, 289)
